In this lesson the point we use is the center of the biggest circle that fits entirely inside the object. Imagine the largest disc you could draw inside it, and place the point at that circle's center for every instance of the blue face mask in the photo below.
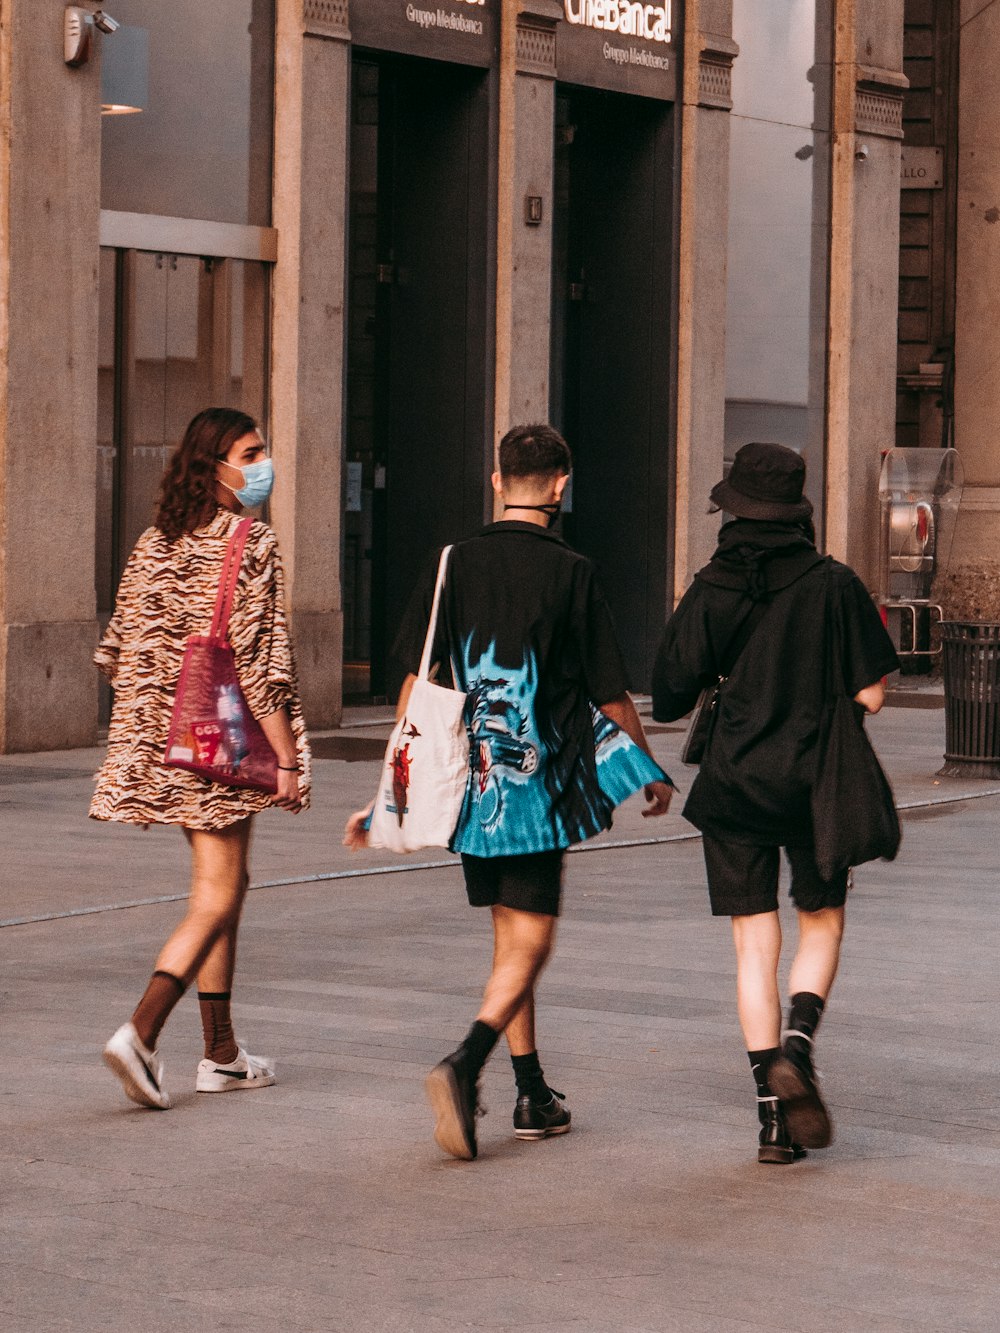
(258, 482)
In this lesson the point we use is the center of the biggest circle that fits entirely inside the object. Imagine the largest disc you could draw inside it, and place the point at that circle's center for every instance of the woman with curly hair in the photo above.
(167, 593)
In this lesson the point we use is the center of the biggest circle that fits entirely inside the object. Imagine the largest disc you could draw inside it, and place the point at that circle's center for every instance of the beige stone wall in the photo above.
(49, 216)
(702, 240)
(977, 330)
(524, 254)
(312, 127)
(864, 267)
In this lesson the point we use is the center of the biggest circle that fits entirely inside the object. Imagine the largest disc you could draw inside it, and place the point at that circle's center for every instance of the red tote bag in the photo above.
(212, 730)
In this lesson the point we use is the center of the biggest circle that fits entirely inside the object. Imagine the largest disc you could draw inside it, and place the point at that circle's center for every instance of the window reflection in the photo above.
(202, 147)
(177, 334)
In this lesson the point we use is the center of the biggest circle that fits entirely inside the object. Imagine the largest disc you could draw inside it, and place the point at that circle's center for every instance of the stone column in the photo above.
(524, 247)
(312, 131)
(977, 332)
(50, 137)
(709, 52)
(867, 120)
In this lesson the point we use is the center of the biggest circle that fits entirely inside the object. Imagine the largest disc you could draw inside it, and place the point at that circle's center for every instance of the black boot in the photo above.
(775, 1143)
(792, 1078)
(453, 1091)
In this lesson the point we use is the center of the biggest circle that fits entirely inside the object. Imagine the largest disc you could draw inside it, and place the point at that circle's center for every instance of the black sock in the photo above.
(530, 1079)
(804, 1013)
(479, 1042)
(760, 1063)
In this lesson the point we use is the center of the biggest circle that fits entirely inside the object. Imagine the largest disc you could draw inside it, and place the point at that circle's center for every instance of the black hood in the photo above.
(760, 558)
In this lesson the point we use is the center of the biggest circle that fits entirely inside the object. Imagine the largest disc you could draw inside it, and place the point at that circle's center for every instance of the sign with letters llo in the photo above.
(464, 32)
(622, 45)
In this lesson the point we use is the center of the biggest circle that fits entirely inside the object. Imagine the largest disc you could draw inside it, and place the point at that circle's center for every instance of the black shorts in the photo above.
(530, 883)
(743, 880)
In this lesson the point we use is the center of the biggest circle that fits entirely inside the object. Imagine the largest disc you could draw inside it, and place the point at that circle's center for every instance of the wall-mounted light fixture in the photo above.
(125, 73)
(124, 63)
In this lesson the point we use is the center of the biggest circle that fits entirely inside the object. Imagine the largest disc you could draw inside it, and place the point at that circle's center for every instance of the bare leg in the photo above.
(218, 887)
(520, 1031)
(522, 944)
(758, 947)
(818, 956)
(792, 1077)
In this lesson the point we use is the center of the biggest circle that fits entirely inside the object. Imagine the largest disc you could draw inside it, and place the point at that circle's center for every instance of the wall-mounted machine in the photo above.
(919, 494)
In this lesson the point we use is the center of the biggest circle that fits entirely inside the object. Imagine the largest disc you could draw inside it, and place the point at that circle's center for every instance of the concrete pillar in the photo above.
(977, 334)
(312, 132)
(50, 137)
(867, 119)
(524, 249)
(709, 52)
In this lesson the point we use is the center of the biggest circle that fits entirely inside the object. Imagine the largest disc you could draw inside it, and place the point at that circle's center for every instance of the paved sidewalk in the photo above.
(322, 1204)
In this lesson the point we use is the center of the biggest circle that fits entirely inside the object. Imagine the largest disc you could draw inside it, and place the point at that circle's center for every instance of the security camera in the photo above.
(78, 24)
(861, 153)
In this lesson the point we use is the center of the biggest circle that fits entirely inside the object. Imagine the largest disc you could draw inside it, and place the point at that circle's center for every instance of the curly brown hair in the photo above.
(187, 491)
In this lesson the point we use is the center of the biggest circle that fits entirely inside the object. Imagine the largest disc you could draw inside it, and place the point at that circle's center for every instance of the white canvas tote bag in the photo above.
(426, 767)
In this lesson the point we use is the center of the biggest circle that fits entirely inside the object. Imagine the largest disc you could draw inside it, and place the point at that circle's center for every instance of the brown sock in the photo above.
(153, 1010)
(217, 1025)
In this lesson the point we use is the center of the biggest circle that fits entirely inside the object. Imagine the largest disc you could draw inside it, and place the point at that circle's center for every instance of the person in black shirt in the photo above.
(527, 635)
(768, 585)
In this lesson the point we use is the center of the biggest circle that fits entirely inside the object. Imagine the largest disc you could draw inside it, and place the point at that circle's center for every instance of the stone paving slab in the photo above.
(322, 1203)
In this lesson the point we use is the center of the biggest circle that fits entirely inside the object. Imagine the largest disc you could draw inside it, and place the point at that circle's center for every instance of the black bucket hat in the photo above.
(765, 482)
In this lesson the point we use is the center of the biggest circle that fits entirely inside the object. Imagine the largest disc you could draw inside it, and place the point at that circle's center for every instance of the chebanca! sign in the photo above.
(649, 22)
(620, 45)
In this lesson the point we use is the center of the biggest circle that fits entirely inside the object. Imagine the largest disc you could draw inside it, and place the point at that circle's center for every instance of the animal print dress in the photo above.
(167, 593)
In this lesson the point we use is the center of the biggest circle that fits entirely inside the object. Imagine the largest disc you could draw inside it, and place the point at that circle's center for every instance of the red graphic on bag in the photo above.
(401, 761)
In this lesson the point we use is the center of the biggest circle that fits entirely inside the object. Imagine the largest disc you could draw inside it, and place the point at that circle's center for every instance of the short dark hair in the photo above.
(534, 451)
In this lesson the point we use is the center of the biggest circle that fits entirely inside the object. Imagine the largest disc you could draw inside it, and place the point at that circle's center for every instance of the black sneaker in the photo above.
(793, 1080)
(453, 1094)
(538, 1119)
(775, 1146)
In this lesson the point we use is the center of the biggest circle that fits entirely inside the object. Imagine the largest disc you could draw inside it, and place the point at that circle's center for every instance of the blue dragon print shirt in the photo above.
(526, 633)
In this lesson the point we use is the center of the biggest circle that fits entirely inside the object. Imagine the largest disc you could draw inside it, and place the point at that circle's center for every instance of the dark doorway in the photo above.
(612, 348)
(417, 339)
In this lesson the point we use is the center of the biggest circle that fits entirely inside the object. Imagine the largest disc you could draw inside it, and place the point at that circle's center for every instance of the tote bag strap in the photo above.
(425, 657)
(228, 579)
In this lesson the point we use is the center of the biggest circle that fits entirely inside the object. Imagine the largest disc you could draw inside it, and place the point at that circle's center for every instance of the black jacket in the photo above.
(755, 780)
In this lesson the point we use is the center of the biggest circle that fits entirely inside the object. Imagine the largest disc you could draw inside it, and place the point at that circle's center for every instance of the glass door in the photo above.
(178, 333)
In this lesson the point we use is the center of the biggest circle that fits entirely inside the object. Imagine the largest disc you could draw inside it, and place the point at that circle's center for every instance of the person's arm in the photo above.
(685, 662)
(868, 651)
(871, 698)
(265, 662)
(355, 830)
(278, 730)
(623, 713)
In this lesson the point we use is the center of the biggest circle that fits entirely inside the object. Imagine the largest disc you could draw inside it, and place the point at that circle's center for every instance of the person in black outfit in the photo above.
(527, 635)
(767, 586)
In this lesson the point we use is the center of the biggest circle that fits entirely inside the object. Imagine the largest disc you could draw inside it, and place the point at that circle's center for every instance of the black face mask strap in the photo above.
(553, 510)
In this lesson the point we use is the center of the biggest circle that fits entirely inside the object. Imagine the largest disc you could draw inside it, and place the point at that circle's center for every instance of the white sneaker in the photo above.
(246, 1071)
(140, 1069)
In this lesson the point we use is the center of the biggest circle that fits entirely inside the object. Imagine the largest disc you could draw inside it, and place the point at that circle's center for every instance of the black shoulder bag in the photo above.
(703, 716)
(853, 811)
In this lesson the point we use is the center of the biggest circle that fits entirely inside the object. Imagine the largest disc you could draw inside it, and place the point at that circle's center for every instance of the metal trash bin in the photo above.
(971, 660)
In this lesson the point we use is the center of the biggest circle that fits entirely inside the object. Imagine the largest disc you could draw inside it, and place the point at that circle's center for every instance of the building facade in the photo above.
(949, 344)
(390, 230)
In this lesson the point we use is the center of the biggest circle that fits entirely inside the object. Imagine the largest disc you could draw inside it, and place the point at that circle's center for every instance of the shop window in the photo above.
(201, 146)
(176, 334)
